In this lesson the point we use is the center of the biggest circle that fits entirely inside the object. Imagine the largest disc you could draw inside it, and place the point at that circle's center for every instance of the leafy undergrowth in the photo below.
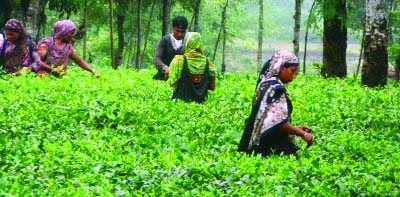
(121, 135)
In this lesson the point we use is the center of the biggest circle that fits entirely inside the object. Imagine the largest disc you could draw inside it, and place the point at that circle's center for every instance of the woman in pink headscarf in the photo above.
(17, 51)
(56, 50)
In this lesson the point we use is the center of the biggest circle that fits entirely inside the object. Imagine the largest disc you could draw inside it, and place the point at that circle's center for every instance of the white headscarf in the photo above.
(278, 59)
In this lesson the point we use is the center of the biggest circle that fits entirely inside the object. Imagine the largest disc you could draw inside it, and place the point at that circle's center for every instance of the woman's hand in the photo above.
(304, 128)
(97, 73)
(308, 137)
(303, 131)
(166, 69)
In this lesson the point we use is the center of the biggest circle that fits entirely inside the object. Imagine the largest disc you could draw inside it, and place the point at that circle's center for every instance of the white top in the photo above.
(176, 44)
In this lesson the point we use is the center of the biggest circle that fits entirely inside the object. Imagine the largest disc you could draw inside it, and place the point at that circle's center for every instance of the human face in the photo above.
(288, 73)
(68, 37)
(178, 32)
(12, 36)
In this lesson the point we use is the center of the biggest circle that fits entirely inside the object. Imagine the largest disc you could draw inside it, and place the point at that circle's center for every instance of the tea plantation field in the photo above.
(122, 135)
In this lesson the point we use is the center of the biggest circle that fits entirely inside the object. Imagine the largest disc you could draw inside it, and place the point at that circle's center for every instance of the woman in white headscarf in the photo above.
(269, 130)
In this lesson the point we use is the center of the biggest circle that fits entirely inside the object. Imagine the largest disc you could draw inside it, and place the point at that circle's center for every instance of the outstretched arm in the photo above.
(83, 64)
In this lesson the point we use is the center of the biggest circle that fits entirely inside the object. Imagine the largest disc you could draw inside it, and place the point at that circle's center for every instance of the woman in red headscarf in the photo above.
(56, 50)
(17, 51)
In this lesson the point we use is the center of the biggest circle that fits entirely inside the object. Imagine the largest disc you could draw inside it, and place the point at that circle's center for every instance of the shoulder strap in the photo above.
(185, 63)
(167, 39)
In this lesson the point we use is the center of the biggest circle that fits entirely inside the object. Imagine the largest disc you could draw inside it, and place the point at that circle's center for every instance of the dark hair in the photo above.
(288, 64)
(10, 29)
(180, 21)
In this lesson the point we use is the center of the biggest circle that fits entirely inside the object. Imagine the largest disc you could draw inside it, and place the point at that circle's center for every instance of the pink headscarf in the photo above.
(62, 28)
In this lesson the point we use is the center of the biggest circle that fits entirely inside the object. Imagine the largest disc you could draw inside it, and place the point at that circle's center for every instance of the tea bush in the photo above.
(122, 135)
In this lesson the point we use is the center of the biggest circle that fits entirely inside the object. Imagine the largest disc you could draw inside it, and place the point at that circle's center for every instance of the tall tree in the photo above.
(31, 18)
(197, 16)
(113, 65)
(85, 20)
(306, 36)
(150, 20)
(223, 67)
(165, 17)
(139, 34)
(260, 33)
(334, 38)
(375, 62)
(393, 37)
(297, 21)
(6, 10)
(223, 19)
(121, 38)
(121, 10)
(41, 20)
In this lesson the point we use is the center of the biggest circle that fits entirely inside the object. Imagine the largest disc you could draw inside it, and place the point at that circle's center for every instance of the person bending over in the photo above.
(269, 130)
(192, 74)
(56, 50)
(17, 51)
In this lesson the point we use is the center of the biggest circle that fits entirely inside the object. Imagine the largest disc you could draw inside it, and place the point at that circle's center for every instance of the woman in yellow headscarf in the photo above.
(192, 74)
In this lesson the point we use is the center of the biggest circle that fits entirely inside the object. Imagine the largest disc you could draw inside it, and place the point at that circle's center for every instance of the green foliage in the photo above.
(394, 47)
(65, 7)
(121, 135)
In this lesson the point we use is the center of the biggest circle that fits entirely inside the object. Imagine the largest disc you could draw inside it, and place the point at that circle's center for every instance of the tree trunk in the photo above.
(391, 31)
(112, 36)
(41, 20)
(375, 62)
(397, 70)
(6, 11)
(334, 39)
(148, 29)
(260, 33)
(197, 15)
(85, 19)
(223, 67)
(297, 21)
(31, 18)
(306, 37)
(139, 35)
(165, 18)
(191, 21)
(391, 17)
(223, 17)
(121, 38)
(360, 54)
(217, 42)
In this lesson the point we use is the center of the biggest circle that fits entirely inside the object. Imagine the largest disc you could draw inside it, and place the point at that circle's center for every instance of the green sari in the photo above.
(194, 52)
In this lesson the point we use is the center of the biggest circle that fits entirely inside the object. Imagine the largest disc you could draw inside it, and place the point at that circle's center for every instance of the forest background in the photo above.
(242, 28)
